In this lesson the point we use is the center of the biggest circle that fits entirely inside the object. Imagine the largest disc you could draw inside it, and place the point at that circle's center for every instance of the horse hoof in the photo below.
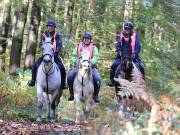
(77, 122)
(39, 121)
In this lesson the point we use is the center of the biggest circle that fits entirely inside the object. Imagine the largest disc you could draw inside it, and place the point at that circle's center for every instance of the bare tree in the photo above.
(53, 8)
(69, 19)
(4, 28)
(33, 36)
(17, 39)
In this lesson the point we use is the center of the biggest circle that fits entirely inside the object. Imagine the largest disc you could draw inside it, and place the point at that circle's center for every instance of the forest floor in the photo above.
(105, 119)
(20, 118)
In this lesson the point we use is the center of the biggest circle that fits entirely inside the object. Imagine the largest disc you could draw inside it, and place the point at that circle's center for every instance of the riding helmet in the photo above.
(51, 22)
(128, 25)
(87, 35)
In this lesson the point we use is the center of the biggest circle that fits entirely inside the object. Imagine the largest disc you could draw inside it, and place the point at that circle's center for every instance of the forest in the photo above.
(157, 22)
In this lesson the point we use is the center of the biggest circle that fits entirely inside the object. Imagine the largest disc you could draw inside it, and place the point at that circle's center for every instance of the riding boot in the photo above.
(63, 72)
(111, 82)
(71, 98)
(142, 72)
(141, 68)
(31, 82)
(95, 96)
(63, 78)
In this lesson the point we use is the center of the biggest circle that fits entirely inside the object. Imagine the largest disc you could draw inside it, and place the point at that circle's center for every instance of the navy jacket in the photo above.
(58, 40)
(137, 48)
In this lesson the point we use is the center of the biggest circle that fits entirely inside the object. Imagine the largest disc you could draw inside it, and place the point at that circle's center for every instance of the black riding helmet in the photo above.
(51, 22)
(128, 25)
(87, 35)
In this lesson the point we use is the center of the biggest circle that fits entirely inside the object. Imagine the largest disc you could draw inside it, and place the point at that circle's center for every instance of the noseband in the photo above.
(47, 72)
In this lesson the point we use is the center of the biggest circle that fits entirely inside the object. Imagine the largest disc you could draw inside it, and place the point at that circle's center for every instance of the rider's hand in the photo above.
(55, 53)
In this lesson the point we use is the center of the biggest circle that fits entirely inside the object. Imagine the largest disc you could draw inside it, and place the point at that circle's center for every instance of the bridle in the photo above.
(82, 80)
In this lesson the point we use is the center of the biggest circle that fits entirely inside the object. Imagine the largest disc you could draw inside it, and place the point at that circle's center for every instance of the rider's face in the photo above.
(86, 41)
(127, 31)
(50, 28)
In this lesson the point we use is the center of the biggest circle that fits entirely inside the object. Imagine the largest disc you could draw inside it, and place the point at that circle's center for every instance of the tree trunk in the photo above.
(128, 9)
(33, 36)
(69, 19)
(4, 28)
(178, 63)
(53, 8)
(17, 39)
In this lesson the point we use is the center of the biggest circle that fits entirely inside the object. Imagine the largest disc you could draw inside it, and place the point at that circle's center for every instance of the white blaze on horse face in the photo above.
(84, 67)
(47, 49)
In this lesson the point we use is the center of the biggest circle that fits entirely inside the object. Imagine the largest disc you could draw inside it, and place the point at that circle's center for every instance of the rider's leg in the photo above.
(63, 71)
(34, 70)
(70, 79)
(112, 72)
(140, 65)
(97, 84)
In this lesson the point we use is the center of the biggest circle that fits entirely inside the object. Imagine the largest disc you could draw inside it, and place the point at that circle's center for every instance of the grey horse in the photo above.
(83, 87)
(48, 83)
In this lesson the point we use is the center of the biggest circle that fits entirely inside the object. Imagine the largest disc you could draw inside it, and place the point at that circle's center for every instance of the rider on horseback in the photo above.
(85, 44)
(135, 44)
(57, 45)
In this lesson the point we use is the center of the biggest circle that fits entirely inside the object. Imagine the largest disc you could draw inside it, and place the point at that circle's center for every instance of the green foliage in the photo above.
(158, 28)
(15, 94)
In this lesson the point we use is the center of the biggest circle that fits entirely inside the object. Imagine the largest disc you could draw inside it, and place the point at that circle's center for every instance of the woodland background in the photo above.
(22, 22)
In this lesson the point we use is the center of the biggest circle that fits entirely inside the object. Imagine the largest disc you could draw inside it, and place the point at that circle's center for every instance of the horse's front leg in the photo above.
(122, 105)
(78, 107)
(88, 107)
(39, 104)
(47, 106)
(54, 104)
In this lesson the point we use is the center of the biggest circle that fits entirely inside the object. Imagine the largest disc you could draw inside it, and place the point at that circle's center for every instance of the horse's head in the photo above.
(126, 53)
(84, 65)
(85, 55)
(47, 50)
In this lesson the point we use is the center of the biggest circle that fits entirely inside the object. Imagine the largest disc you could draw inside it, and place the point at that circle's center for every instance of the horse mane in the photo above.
(126, 50)
(90, 71)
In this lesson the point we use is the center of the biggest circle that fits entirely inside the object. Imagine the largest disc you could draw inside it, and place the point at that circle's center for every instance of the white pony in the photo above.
(83, 86)
(48, 83)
